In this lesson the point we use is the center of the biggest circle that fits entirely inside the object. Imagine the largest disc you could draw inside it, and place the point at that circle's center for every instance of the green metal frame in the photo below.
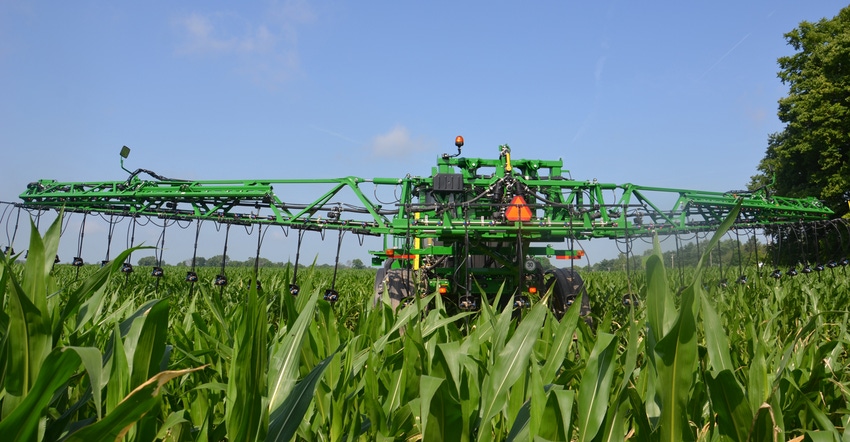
(459, 210)
(562, 207)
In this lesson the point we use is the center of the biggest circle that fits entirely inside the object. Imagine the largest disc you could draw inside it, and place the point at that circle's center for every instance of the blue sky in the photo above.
(668, 93)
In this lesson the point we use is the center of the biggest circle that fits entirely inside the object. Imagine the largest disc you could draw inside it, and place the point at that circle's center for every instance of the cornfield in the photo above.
(96, 354)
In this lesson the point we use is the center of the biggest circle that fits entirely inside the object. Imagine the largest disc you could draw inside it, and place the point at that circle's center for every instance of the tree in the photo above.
(261, 262)
(635, 263)
(215, 261)
(811, 155)
(357, 263)
(147, 261)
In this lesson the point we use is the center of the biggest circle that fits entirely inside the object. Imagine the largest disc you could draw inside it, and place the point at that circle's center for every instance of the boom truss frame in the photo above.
(458, 199)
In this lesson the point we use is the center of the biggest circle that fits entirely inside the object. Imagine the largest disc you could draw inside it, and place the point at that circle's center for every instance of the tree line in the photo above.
(216, 261)
(731, 253)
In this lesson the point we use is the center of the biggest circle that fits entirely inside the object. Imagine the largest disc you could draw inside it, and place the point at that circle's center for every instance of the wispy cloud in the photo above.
(265, 49)
(210, 34)
(723, 57)
(335, 134)
(397, 143)
(600, 66)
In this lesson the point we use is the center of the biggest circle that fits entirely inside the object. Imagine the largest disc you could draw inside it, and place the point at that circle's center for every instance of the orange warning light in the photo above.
(578, 254)
(532, 290)
(518, 210)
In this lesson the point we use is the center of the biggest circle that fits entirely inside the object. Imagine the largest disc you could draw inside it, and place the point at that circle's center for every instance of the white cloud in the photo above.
(209, 35)
(265, 48)
(397, 143)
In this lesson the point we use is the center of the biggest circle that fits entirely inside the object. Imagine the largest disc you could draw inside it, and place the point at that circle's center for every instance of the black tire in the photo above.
(398, 283)
(380, 278)
(567, 288)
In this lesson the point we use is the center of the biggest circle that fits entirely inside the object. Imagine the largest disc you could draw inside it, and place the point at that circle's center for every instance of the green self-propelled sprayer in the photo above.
(469, 230)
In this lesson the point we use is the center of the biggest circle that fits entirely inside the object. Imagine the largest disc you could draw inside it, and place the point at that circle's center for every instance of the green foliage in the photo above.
(215, 262)
(138, 358)
(149, 261)
(743, 250)
(357, 264)
(247, 417)
(810, 155)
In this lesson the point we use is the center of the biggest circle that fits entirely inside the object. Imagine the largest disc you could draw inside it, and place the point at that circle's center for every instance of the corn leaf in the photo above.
(36, 280)
(93, 362)
(733, 411)
(57, 369)
(118, 385)
(716, 341)
(509, 365)
(133, 408)
(172, 427)
(616, 425)
(246, 415)
(428, 386)
(758, 387)
(4, 322)
(283, 369)
(595, 387)
(660, 311)
(29, 338)
(86, 298)
(520, 428)
(676, 364)
(561, 342)
(566, 400)
(284, 420)
(149, 348)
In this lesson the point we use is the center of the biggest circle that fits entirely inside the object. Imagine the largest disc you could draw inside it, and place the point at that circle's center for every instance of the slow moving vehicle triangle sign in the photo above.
(518, 210)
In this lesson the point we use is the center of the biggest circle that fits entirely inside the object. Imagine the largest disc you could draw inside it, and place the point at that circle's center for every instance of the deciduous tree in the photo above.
(811, 155)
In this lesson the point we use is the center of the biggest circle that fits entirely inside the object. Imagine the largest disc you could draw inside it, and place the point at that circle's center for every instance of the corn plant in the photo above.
(97, 354)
